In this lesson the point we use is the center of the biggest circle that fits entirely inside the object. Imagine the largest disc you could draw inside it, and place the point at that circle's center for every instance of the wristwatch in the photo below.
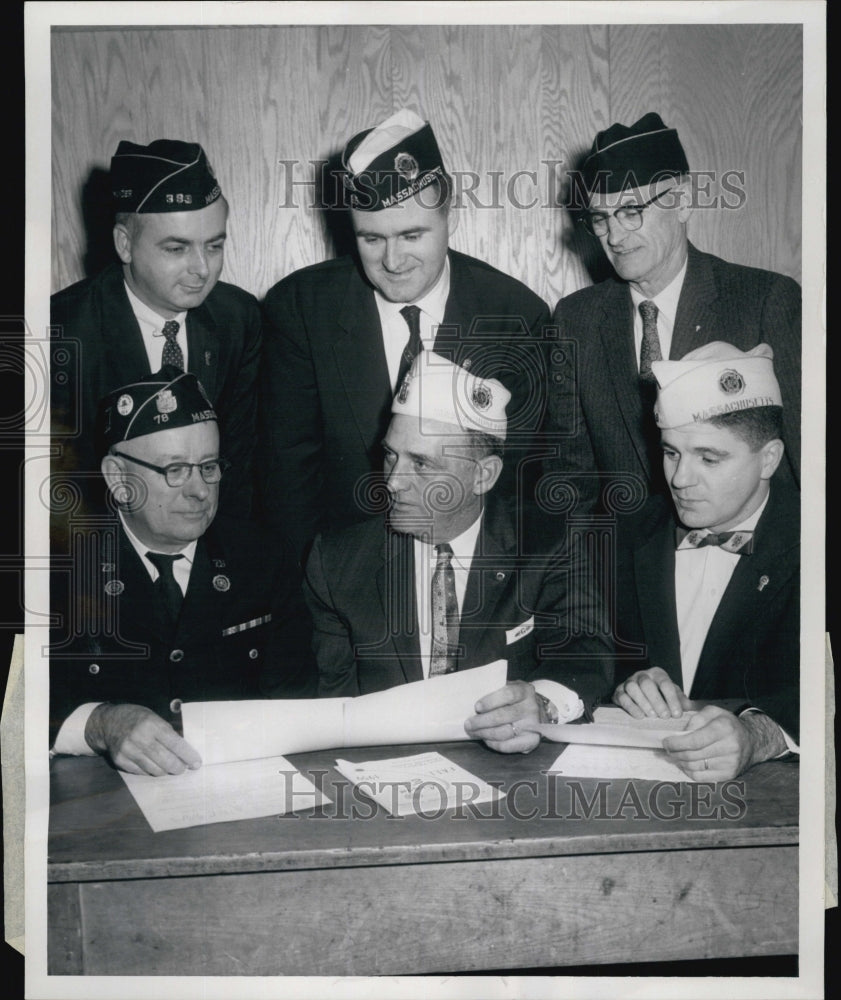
(548, 712)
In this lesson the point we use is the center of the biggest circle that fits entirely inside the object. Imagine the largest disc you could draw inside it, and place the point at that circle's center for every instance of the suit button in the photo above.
(175, 705)
(500, 577)
(176, 655)
(253, 654)
(93, 668)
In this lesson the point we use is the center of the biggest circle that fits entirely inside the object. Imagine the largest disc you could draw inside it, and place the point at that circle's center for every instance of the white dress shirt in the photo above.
(567, 703)
(152, 330)
(396, 329)
(666, 302)
(71, 737)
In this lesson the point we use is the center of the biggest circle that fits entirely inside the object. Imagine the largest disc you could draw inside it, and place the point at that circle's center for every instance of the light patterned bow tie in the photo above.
(738, 542)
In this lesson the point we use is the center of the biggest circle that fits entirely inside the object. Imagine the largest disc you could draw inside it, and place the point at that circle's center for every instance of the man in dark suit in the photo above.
(163, 303)
(708, 586)
(638, 200)
(167, 604)
(456, 578)
(339, 335)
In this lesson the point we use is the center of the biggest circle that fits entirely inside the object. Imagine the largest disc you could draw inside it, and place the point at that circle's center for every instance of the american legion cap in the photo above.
(168, 399)
(168, 175)
(394, 160)
(713, 380)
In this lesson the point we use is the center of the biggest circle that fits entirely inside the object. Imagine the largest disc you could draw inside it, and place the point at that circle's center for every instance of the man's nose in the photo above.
(616, 232)
(195, 485)
(198, 263)
(682, 474)
(392, 256)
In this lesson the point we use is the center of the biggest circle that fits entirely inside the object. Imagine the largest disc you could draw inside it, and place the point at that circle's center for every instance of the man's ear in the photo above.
(772, 455)
(684, 196)
(122, 242)
(486, 473)
(113, 471)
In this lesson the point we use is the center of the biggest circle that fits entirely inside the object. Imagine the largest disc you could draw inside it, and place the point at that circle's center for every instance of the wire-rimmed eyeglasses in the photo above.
(628, 216)
(178, 473)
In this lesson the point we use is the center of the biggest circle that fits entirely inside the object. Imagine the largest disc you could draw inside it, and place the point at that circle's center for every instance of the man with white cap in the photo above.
(455, 577)
(169, 604)
(162, 303)
(664, 299)
(710, 584)
(340, 335)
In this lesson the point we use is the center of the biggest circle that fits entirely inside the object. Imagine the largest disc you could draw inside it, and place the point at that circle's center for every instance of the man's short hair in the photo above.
(756, 426)
(482, 445)
(130, 220)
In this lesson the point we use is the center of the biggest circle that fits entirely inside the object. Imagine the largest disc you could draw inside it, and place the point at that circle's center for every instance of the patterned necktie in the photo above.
(738, 542)
(650, 347)
(413, 345)
(168, 590)
(172, 352)
(444, 614)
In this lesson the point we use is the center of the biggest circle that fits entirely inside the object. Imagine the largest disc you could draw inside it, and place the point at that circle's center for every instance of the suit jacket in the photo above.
(243, 630)
(223, 345)
(597, 414)
(325, 398)
(752, 649)
(528, 600)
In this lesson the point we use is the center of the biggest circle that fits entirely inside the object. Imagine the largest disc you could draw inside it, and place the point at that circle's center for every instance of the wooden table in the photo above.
(655, 873)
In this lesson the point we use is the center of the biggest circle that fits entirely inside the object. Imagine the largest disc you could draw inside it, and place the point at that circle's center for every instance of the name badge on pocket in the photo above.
(519, 631)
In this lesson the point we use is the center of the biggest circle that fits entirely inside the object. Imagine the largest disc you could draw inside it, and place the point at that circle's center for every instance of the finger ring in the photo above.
(513, 729)
(706, 764)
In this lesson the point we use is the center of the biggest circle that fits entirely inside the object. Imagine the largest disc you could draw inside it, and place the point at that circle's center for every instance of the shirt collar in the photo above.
(666, 301)
(433, 303)
(148, 316)
(463, 545)
(188, 552)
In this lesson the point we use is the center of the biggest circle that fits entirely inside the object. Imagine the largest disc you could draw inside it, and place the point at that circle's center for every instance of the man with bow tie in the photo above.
(160, 303)
(340, 335)
(167, 603)
(708, 586)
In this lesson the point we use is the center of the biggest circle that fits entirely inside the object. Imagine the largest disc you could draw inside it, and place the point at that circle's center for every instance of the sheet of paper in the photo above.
(426, 783)
(580, 761)
(223, 792)
(428, 711)
(613, 726)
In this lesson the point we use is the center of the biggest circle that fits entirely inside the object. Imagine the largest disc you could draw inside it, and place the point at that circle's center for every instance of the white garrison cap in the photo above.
(712, 380)
(383, 136)
(436, 389)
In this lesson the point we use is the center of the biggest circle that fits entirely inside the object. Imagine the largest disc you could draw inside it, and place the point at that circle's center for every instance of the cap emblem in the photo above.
(731, 382)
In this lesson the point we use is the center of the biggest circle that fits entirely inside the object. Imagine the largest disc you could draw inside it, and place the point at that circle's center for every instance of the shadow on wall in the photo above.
(98, 220)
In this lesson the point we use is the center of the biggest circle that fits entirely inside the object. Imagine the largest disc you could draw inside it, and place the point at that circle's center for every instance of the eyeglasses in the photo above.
(179, 472)
(628, 216)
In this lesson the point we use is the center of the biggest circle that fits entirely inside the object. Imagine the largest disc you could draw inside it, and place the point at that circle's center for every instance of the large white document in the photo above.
(428, 711)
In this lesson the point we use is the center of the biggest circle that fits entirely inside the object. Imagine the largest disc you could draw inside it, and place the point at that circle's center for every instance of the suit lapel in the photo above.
(202, 609)
(203, 349)
(756, 579)
(696, 320)
(654, 573)
(138, 608)
(617, 336)
(396, 586)
(125, 354)
(360, 360)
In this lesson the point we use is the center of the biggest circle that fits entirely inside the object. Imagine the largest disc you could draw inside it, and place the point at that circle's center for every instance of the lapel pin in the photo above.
(763, 582)
(114, 588)
(221, 582)
(208, 357)
(697, 328)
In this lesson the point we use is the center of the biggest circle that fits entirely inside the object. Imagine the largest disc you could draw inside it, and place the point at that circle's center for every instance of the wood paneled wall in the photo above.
(501, 99)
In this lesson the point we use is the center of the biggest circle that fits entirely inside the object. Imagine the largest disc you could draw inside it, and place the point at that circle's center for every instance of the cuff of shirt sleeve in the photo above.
(71, 736)
(791, 746)
(565, 700)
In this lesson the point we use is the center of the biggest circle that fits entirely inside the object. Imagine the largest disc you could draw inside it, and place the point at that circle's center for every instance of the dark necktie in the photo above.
(738, 542)
(168, 590)
(172, 352)
(650, 347)
(413, 345)
(444, 614)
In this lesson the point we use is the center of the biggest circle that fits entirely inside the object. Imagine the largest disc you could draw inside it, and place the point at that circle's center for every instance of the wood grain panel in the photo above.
(590, 909)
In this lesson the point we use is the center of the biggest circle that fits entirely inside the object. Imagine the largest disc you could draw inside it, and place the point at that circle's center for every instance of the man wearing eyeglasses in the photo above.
(666, 298)
(170, 604)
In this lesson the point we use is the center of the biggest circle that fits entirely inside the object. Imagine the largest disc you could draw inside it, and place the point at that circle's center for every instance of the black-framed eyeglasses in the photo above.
(179, 472)
(628, 216)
